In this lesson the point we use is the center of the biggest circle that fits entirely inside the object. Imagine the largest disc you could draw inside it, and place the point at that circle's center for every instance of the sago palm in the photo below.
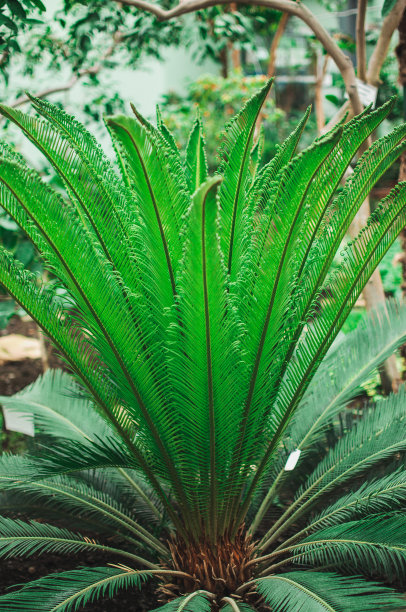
(196, 311)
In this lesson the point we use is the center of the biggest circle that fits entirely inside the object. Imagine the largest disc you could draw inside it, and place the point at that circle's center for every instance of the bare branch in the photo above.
(389, 25)
(74, 79)
(275, 43)
(297, 9)
(360, 40)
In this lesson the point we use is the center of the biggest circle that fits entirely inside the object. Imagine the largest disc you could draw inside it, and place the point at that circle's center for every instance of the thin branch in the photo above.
(321, 70)
(342, 61)
(92, 70)
(275, 44)
(389, 25)
(360, 40)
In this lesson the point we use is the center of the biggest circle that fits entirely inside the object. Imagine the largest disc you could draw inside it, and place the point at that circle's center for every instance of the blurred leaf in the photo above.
(25, 252)
(6, 312)
(388, 5)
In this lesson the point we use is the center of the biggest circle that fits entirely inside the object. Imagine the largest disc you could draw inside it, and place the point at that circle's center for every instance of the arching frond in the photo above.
(59, 411)
(376, 438)
(198, 601)
(374, 546)
(196, 162)
(71, 590)
(335, 383)
(24, 539)
(325, 592)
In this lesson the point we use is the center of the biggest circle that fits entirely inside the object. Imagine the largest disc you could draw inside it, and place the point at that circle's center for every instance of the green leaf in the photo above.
(377, 542)
(198, 601)
(387, 7)
(235, 154)
(25, 539)
(196, 162)
(325, 592)
(69, 591)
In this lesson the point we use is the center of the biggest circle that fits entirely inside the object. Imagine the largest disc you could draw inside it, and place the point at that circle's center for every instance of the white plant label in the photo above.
(367, 93)
(292, 460)
(23, 422)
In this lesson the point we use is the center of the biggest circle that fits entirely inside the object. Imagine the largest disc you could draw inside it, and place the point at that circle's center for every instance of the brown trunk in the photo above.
(224, 62)
(218, 568)
(401, 55)
(275, 44)
(272, 61)
(235, 53)
(321, 69)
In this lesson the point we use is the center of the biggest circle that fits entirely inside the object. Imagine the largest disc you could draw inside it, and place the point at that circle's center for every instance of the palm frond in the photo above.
(75, 497)
(196, 162)
(373, 546)
(71, 590)
(89, 178)
(55, 401)
(325, 592)
(373, 242)
(235, 165)
(377, 437)
(373, 497)
(335, 383)
(198, 601)
(25, 539)
(270, 294)
(202, 377)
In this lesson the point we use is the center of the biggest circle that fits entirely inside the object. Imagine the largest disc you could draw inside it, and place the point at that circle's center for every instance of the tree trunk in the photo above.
(235, 53)
(401, 55)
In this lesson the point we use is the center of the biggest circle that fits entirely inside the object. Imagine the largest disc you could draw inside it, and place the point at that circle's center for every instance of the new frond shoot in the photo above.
(198, 324)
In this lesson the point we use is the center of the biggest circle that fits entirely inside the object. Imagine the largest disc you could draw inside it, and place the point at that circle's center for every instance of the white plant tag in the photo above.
(23, 422)
(292, 460)
(367, 93)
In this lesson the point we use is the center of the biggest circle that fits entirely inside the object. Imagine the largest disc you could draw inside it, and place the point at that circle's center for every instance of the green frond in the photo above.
(108, 315)
(59, 411)
(70, 591)
(374, 497)
(335, 383)
(153, 187)
(88, 176)
(374, 546)
(25, 539)
(266, 292)
(198, 601)
(203, 377)
(235, 168)
(196, 162)
(376, 438)
(332, 227)
(325, 592)
(75, 497)
(323, 187)
(360, 260)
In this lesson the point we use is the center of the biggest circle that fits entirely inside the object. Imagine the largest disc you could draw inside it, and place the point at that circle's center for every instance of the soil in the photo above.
(14, 376)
